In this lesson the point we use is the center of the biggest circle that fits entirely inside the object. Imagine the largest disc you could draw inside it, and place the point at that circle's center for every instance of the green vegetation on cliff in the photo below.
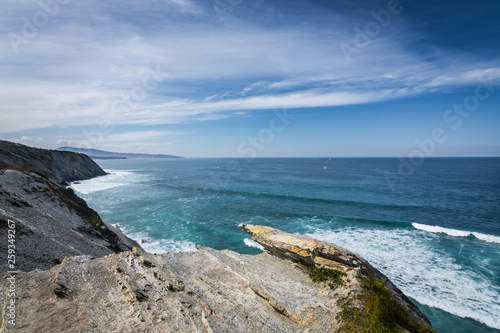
(330, 277)
(380, 312)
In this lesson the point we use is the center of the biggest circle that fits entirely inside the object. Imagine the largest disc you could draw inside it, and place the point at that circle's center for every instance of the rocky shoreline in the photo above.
(77, 273)
(206, 291)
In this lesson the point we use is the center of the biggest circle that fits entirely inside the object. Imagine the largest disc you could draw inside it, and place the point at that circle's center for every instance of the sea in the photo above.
(432, 227)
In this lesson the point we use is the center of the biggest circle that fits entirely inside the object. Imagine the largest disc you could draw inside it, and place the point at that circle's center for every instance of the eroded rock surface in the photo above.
(202, 291)
(51, 223)
(310, 251)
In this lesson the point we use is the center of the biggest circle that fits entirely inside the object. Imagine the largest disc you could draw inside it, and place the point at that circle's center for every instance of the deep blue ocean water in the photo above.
(435, 232)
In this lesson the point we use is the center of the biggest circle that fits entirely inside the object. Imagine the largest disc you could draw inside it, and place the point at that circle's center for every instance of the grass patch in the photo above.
(380, 312)
(330, 277)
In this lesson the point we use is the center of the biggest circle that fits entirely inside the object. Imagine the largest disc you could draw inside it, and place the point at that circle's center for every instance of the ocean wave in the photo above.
(168, 245)
(113, 179)
(456, 233)
(187, 200)
(421, 271)
(251, 243)
(159, 246)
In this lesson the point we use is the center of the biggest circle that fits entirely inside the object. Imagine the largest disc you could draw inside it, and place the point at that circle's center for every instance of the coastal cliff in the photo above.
(51, 222)
(79, 274)
(59, 166)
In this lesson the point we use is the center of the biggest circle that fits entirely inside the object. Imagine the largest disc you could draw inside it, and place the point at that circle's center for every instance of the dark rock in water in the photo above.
(59, 166)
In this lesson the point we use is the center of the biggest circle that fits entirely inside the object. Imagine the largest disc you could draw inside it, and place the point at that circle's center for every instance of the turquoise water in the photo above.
(435, 232)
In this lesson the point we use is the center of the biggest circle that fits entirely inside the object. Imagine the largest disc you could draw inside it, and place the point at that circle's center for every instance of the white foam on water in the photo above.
(113, 179)
(423, 272)
(187, 200)
(456, 233)
(168, 245)
(159, 246)
(487, 238)
(251, 243)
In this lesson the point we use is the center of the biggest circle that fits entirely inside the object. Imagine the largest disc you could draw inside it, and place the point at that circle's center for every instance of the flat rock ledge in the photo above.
(202, 291)
(312, 252)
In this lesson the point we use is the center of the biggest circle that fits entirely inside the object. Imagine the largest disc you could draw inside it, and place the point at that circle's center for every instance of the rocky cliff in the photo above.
(299, 285)
(58, 166)
(51, 222)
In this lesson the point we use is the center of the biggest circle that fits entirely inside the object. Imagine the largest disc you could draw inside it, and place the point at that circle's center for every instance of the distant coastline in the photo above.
(108, 155)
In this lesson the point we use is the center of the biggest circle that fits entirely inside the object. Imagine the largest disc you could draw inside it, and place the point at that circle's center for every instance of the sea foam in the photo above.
(113, 179)
(251, 243)
(159, 246)
(423, 272)
(456, 233)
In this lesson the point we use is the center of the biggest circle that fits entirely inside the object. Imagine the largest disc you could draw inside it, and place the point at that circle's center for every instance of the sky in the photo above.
(260, 78)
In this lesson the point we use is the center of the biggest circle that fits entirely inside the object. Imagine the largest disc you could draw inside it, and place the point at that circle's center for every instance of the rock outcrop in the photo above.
(202, 291)
(59, 166)
(310, 251)
(51, 223)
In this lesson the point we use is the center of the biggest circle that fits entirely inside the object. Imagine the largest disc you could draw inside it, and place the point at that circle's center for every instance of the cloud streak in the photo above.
(92, 54)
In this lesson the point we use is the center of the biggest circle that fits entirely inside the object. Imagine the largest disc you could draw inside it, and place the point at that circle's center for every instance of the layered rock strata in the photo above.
(60, 167)
(202, 291)
(51, 223)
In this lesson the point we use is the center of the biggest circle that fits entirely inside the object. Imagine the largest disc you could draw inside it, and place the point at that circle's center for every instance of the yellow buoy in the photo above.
(324, 168)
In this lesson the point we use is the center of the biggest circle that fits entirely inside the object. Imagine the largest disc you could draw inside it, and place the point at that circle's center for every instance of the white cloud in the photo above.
(139, 136)
(81, 63)
(30, 141)
(69, 143)
(492, 75)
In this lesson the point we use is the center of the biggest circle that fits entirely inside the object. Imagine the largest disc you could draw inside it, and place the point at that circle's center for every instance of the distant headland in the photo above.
(108, 155)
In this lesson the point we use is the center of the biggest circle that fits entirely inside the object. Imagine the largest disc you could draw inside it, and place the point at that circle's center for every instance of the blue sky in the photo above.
(239, 78)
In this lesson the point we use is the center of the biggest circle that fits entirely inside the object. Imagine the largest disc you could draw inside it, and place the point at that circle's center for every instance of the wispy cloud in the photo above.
(492, 75)
(93, 54)
(140, 136)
